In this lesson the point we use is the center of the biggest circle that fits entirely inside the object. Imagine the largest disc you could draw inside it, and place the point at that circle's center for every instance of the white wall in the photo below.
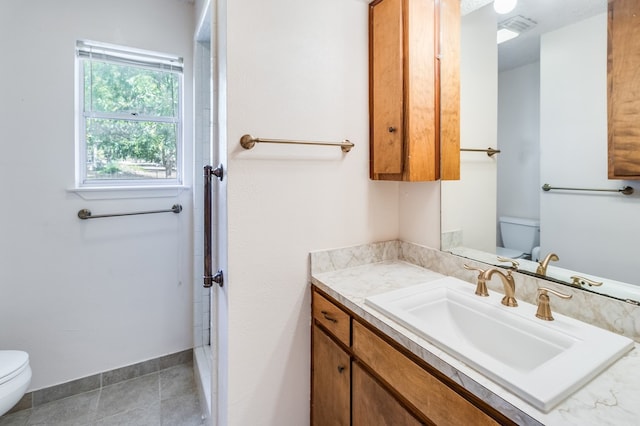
(469, 205)
(580, 227)
(420, 213)
(296, 69)
(83, 296)
(519, 140)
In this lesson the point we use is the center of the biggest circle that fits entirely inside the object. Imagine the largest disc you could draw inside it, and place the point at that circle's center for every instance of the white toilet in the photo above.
(15, 377)
(520, 237)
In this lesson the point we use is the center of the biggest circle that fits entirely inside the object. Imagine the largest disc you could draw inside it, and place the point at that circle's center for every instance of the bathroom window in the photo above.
(129, 116)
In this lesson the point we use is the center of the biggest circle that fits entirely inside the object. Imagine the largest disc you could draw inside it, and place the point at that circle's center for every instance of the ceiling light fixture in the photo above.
(504, 6)
(505, 34)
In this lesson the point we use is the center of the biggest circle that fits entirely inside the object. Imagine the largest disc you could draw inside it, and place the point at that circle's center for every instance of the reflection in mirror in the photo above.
(541, 98)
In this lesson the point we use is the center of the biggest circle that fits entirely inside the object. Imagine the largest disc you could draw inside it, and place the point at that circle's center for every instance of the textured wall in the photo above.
(519, 139)
(296, 69)
(591, 232)
(469, 205)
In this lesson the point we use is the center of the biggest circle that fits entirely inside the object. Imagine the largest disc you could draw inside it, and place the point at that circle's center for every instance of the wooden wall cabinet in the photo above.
(360, 378)
(414, 89)
(623, 62)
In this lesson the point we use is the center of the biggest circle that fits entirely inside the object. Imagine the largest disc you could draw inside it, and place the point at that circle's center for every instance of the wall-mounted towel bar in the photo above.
(627, 190)
(490, 151)
(248, 142)
(86, 213)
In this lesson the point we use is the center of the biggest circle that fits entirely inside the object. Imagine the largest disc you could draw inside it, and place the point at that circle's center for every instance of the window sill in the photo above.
(120, 192)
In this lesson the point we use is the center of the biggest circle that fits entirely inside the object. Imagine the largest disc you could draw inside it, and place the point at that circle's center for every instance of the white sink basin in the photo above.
(542, 362)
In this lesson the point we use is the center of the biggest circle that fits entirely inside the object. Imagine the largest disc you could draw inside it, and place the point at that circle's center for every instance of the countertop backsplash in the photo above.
(602, 311)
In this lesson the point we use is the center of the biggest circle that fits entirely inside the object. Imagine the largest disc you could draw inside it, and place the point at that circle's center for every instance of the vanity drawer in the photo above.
(431, 397)
(332, 318)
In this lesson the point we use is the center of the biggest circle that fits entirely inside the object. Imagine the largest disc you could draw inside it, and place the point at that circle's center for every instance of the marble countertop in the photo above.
(612, 398)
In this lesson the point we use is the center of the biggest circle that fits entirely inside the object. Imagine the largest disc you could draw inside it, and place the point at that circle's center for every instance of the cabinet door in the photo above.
(449, 59)
(373, 405)
(421, 83)
(331, 382)
(386, 86)
(624, 86)
(431, 397)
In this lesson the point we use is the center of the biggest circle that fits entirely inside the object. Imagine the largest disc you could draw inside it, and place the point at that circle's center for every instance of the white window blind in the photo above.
(130, 56)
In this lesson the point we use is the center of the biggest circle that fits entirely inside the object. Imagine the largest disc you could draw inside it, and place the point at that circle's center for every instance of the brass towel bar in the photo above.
(248, 142)
(490, 151)
(86, 213)
(627, 190)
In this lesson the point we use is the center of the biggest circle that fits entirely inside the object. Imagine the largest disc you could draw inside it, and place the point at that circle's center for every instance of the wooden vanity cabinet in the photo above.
(623, 62)
(374, 405)
(361, 377)
(431, 397)
(414, 89)
(330, 364)
(331, 391)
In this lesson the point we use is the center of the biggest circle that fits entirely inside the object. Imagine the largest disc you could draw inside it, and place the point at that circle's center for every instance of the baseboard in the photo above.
(97, 381)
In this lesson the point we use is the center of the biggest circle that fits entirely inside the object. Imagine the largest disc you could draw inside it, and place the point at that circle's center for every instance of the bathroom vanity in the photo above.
(367, 366)
(389, 384)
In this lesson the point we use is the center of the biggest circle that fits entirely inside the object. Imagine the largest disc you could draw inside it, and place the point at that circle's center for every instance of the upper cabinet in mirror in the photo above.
(624, 89)
(542, 99)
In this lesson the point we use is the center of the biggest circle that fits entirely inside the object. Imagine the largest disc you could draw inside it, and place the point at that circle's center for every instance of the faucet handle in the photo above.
(544, 308)
(473, 268)
(514, 264)
(579, 281)
(481, 287)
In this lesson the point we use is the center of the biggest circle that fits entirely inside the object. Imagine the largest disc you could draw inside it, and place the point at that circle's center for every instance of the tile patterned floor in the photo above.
(168, 397)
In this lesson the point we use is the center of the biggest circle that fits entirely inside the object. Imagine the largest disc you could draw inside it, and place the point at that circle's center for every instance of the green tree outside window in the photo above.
(131, 121)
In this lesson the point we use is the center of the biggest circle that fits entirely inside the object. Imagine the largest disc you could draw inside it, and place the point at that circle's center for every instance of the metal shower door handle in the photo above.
(208, 277)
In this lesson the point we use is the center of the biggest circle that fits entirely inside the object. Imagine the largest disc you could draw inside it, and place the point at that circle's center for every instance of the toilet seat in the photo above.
(12, 364)
(509, 253)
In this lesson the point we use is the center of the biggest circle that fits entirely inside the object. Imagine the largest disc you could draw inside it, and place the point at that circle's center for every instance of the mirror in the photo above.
(541, 99)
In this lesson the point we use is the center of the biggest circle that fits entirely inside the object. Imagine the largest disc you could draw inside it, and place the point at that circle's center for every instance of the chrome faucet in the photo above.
(509, 283)
(542, 267)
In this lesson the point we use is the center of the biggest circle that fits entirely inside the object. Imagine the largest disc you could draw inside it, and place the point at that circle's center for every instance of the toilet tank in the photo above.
(519, 233)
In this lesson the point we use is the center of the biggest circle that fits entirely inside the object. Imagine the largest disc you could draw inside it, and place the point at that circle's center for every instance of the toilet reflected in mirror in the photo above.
(520, 238)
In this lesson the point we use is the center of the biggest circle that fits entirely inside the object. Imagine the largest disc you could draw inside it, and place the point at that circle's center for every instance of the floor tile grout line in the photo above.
(160, 388)
(184, 371)
(100, 389)
(173, 359)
